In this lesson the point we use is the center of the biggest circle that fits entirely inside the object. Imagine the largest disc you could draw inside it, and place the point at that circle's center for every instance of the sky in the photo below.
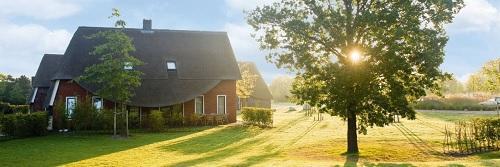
(31, 28)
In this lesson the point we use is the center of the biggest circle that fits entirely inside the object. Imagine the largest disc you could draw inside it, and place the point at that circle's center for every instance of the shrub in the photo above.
(84, 116)
(156, 121)
(20, 108)
(451, 103)
(468, 137)
(25, 125)
(60, 120)
(9, 109)
(4, 107)
(257, 116)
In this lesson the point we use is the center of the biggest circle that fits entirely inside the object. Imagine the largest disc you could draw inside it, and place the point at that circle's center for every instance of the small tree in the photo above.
(115, 74)
(245, 86)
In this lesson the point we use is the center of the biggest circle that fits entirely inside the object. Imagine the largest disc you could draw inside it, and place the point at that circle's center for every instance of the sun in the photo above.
(355, 56)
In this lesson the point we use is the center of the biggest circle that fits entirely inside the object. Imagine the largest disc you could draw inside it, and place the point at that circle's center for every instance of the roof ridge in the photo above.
(156, 30)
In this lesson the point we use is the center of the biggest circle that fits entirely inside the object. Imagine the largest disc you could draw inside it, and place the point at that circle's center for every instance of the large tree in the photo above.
(116, 74)
(362, 60)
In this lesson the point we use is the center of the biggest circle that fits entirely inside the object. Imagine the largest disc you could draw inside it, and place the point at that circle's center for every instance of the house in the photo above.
(261, 96)
(192, 71)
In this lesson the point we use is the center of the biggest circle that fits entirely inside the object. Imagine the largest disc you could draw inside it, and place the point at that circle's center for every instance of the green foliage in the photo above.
(400, 46)
(452, 103)
(24, 125)
(477, 135)
(15, 90)
(156, 121)
(84, 116)
(245, 86)
(257, 116)
(487, 79)
(60, 119)
(173, 115)
(280, 88)
(115, 82)
(8, 108)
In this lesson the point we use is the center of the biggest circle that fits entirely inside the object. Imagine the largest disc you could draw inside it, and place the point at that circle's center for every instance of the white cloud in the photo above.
(243, 44)
(476, 16)
(22, 46)
(39, 9)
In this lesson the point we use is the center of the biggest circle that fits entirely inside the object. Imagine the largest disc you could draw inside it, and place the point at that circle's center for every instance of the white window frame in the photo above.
(225, 103)
(202, 104)
(174, 65)
(66, 105)
(102, 103)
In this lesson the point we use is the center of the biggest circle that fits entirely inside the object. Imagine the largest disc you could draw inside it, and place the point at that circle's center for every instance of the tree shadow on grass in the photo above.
(222, 153)
(368, 164)
(58, 149)
(212, 141)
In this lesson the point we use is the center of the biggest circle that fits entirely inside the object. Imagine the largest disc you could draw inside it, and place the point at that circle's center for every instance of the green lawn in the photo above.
(295, 140)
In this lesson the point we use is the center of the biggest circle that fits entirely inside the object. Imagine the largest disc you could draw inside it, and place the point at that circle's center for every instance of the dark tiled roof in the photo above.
(261, 90)
(202, 58)
(48, 67)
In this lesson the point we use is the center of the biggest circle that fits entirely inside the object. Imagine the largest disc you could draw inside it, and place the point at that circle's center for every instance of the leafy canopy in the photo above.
(115, 82)
(245, 86)
(400, 42)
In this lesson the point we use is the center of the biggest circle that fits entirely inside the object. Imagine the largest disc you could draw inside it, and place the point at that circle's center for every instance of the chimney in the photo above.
(146, 24)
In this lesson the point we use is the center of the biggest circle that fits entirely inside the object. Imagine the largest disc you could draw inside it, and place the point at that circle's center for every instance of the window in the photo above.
(70, 105)
(221, 104)
(97, 103)
(127, 66)
(171, 66)
(199, 105)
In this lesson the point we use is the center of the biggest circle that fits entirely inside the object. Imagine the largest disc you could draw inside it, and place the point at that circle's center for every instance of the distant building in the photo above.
(261, 96)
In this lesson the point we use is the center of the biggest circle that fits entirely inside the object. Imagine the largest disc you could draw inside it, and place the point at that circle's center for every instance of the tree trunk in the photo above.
(126, 121)
(352, 135)
(114, 121)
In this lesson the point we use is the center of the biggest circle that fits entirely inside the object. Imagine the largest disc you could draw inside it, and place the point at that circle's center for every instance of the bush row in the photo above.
(468, 137)
(9, 109)
(257, 116)
(24, 125)
(453, 103)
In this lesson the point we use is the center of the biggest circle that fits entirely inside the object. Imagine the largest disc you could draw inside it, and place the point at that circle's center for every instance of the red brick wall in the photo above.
(70, 88)
(228, 88)
(40, 96)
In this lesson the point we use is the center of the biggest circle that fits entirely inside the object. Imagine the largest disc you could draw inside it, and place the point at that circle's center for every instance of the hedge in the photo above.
(452, 103)
(24, 125)
(8, 108)
(257, 116)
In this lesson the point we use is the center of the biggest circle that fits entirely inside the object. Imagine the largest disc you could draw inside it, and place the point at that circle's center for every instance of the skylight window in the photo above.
(171, 66)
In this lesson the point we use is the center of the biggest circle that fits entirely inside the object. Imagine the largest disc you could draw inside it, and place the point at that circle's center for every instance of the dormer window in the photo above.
(171, 66)
(127, 66)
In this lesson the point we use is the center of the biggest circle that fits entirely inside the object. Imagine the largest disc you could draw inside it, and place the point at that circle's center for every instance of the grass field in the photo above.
(295, 140)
